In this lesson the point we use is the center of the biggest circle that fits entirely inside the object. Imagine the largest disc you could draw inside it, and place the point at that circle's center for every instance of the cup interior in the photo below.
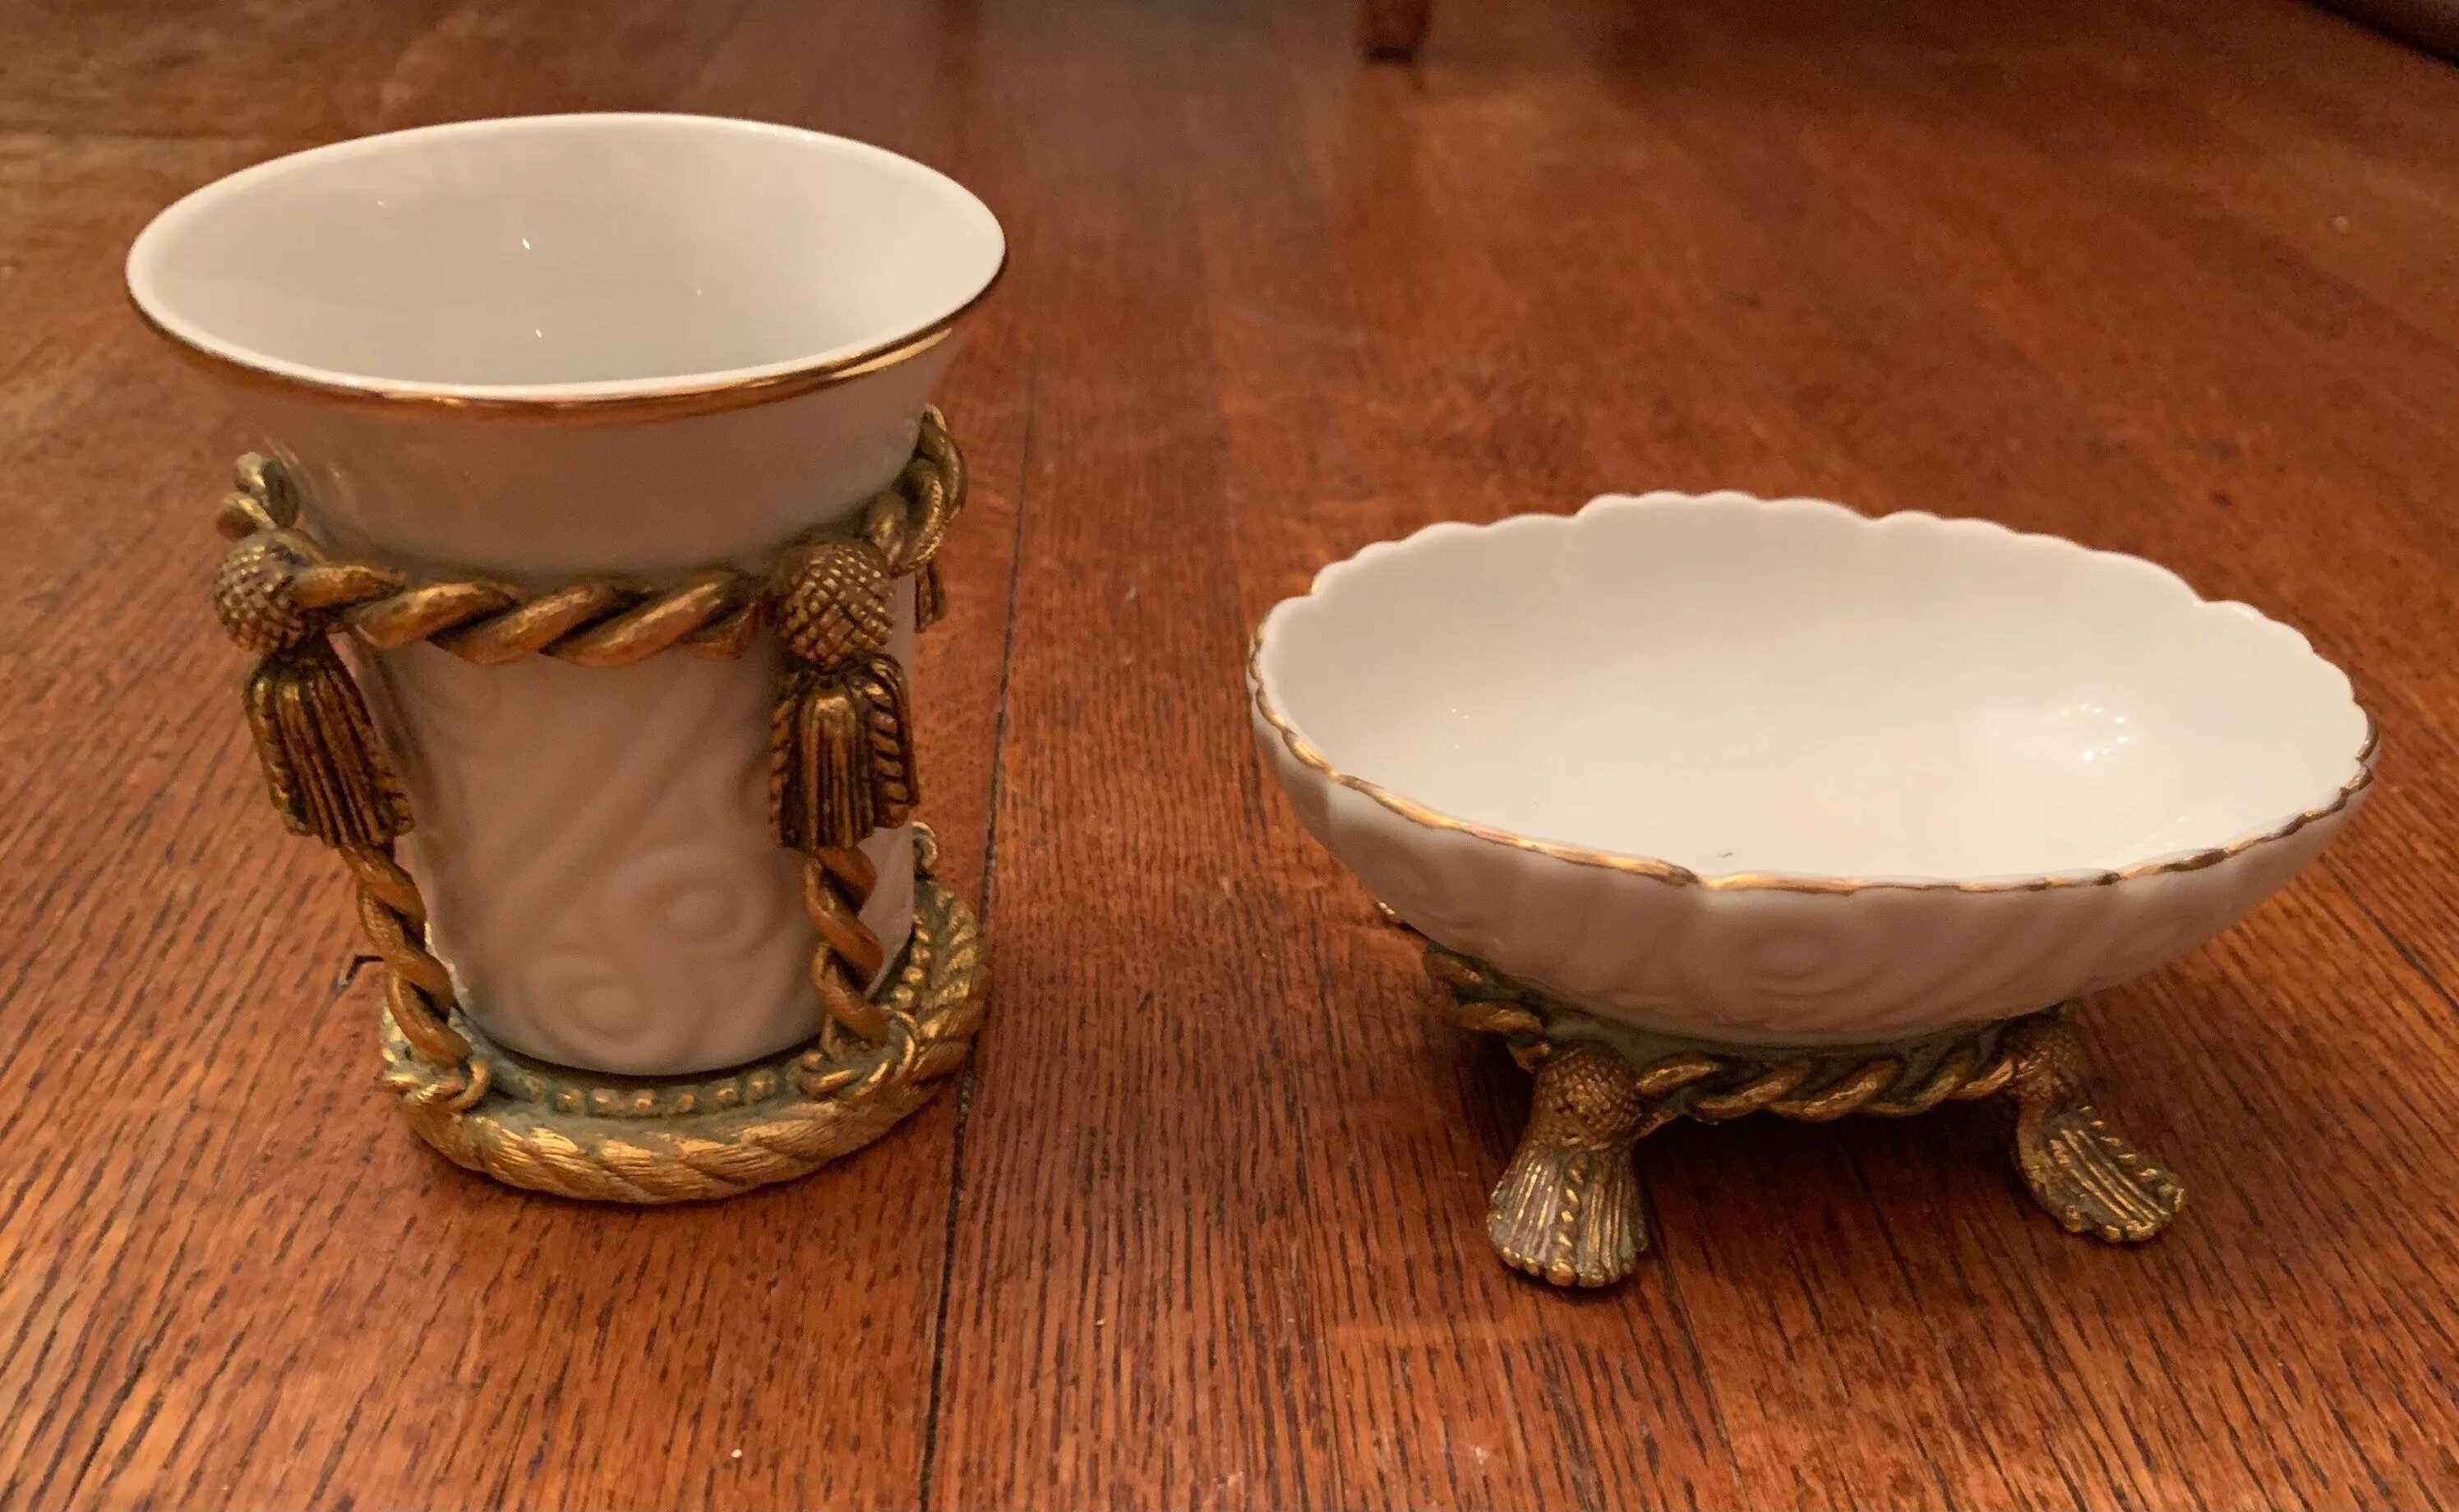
(567, 255)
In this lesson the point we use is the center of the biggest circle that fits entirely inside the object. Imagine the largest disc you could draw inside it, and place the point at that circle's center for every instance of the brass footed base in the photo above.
(1568, 1209)
(679, 1139)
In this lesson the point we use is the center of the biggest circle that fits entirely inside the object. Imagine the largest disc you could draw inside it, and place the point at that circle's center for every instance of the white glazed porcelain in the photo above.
(1773, 773)
(550, 345)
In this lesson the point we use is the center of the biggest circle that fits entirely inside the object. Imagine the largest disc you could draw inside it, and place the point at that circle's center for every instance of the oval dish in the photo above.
(1773, 773)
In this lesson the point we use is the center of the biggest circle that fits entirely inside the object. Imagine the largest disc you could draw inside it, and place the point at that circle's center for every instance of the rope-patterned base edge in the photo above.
(1568, 1210)
(792, 1114)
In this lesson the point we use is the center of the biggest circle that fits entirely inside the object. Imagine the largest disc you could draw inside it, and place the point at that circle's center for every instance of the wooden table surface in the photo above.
(1205, 1226)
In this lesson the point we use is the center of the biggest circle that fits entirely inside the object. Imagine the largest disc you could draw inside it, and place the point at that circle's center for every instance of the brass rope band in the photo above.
(593, 621)
(837, 883)
(841, 761)
(769, 1123)
(418, 989)
(1713, 1088)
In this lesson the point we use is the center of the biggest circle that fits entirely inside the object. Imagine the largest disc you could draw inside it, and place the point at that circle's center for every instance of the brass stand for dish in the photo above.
(1568, 1209)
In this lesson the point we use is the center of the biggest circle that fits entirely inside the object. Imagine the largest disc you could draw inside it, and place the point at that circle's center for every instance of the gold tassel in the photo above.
(929, 596)
(841, 754)
(841, 747)
(321, 761)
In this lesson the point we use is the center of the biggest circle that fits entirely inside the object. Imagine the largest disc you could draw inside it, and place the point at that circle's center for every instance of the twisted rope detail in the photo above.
(1715, 1089)
(597, 621)
(837, 883)
(418, 989)
(934, 1006)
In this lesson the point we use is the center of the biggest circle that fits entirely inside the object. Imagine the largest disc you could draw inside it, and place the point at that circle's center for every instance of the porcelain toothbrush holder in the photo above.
(598, 511)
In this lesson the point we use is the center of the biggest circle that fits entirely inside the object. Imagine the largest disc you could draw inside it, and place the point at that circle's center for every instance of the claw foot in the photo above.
(2080, 1171)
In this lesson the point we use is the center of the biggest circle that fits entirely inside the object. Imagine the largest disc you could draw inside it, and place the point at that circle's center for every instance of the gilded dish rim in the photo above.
(1427, 817)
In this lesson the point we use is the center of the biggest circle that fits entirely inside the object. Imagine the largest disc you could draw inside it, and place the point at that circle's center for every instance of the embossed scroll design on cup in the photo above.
(841, 765)
(1567, 1207)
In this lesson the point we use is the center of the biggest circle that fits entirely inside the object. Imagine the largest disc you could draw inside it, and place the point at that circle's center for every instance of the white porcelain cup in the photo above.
(543, 347)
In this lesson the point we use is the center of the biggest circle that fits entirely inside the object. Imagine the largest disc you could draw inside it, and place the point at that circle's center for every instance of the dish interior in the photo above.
(1745, 687)
(588, 250)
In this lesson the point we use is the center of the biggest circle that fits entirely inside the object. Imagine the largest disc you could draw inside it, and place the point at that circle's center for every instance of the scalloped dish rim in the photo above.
(1425, 816)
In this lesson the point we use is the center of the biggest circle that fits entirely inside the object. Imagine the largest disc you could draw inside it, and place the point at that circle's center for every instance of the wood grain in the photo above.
(2433, 25)
(1205, 1228)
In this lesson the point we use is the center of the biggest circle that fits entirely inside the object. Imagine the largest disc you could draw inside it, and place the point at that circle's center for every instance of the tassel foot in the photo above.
(2083, 1173)
(1567, 1207)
